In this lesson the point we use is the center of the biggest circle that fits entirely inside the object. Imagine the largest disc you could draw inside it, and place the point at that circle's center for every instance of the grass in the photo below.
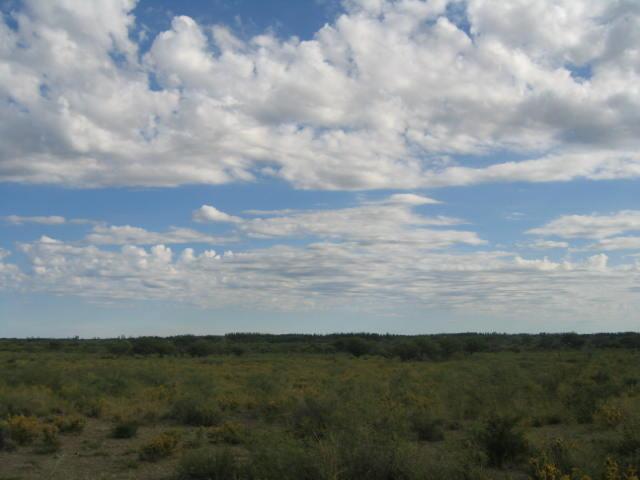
(332, 416)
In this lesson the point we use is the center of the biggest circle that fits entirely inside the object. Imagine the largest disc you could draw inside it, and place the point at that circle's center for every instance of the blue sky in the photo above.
(396, 166)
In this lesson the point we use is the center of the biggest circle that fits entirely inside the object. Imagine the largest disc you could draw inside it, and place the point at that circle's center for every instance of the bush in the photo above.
(120, 347)
(70, 424)
(124, 429)
(23, 430)
(280, 457)
(312, 416)
(28, 400)
(355, 346)
(50, 440)
(160, 446)
(196, 411)
(407, 351)
(629, 442)
(228, 432)
(426, 427)
(201, 348)
(365, 454)
(501, 441)
(205, 464)
(153, 345)
(6, 443)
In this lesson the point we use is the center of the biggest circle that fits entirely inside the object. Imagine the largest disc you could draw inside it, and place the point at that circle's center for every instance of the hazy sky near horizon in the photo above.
(320, 165)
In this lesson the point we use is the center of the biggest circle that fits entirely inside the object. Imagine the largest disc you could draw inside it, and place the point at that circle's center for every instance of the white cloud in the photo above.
(372, 256)
(391, 219)
(591, 226)
(44, 220)
(128, 235)
(207, 213)
(411, 199)
(10, 275)
(376, 99)
(617, 243)
(322, 275)
(548, 244)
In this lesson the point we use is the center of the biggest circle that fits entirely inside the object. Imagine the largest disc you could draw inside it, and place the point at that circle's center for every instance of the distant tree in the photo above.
(200, 348)
(474, 344)
(630, 340)
(572, 340)
(546, 341)
(407, 351)
(429, 348)
(355, 346)
(238, 350)
(449, 345)
(119, 347)
(153, 345)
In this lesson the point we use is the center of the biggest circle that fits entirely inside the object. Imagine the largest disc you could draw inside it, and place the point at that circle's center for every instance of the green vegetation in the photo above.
(337, 407)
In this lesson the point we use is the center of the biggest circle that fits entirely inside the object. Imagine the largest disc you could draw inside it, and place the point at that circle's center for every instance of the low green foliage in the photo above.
(292, 407)
(502, 441)
(23, 430)
(124, 429)
(50, 442)
(160, 446)
(70, 423)
(207, 464)
(196, 410)
(426, 427)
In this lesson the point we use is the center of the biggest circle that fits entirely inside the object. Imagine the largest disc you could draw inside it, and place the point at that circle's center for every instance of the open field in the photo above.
(91, 413)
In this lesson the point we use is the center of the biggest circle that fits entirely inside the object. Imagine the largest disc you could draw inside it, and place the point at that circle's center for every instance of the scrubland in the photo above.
(349, 407)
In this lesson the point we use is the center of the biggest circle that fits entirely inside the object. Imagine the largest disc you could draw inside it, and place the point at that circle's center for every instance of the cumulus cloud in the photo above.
(375, 255)
(375, 99)
(321, 275)
(10, 275)
(207, 213)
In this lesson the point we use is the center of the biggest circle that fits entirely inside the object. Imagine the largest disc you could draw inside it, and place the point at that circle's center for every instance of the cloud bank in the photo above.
(373, 256)
(391, 94)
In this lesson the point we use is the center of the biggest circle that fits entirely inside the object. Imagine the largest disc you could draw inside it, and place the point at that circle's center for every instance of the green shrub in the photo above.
(23, 430)
(629, 441)
(280, 457)
(124, 429)
(501, 441)
(312, 416)
(407, 351)
(205, 464)
(153, 346)
(50, 442)
(355, 346)
(376, 456)
(201, 348)
(196, 411)
(160, 446)
(426, 427)
(229, 432)
(28, 400)
(70, 423)
(6, 443)
(120, 347)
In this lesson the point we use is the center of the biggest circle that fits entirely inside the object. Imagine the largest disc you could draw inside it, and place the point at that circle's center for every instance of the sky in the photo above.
(402, 166)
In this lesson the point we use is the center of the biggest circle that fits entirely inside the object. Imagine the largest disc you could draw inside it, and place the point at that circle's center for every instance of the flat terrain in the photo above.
(319, 416)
